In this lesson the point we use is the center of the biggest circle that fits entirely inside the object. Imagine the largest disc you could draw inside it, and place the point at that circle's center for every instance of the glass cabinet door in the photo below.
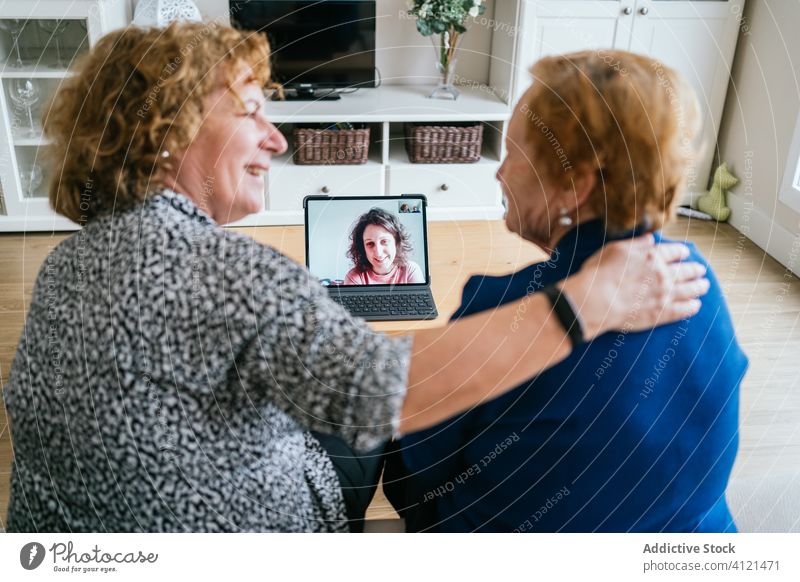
(39, 42)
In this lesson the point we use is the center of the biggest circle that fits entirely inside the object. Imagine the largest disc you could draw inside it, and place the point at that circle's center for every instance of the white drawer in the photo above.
(289, 184)
(454, 185)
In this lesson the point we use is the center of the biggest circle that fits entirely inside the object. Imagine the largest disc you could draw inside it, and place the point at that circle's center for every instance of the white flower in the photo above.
(474, 11)
(477, 2)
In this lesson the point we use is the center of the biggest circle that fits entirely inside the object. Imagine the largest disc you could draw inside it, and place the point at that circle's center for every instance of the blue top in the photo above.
(631, 432)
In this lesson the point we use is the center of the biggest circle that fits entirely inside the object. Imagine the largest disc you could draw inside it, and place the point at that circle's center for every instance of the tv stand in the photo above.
(454, 191)
(309, 94)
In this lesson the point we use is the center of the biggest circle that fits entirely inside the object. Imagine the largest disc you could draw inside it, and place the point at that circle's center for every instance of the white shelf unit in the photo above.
(454, 191)
(86, 21)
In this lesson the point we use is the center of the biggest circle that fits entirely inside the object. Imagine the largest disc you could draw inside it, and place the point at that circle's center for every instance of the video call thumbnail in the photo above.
(367, 241)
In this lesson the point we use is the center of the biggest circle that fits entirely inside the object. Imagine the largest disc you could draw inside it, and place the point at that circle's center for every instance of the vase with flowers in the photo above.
(445, 21)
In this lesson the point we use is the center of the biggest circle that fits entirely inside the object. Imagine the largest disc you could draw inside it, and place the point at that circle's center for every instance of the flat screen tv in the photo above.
(316, 44)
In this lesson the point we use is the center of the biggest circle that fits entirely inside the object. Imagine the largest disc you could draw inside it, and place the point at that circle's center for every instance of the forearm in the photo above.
(479, 357)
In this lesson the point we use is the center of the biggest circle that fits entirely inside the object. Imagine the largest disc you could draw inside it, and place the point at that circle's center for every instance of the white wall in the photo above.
(403, 56)
(760, 112)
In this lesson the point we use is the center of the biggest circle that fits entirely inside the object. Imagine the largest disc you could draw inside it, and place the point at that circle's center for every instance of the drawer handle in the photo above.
(325, 189)
(644, 10)
(627, 10)
(444, 187)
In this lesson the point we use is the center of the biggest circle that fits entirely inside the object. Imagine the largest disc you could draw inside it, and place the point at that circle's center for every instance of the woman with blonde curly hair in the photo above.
(176, 376)
(632, 431)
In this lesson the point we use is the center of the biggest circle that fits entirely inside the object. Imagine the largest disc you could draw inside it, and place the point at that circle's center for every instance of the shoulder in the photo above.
(262, 268)
(413, 272)
(234, 275)
(696, 256)
(58, 266)
(714, 318)
(483, 292)
(693, 251)
(353, 277)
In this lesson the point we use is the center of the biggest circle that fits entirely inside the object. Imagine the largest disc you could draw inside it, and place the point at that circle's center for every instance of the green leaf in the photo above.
(424, 28)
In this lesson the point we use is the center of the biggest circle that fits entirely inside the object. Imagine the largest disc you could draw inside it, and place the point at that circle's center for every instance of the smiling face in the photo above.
(530, 200)
(536, 202)
(381, 248)
(223, 169)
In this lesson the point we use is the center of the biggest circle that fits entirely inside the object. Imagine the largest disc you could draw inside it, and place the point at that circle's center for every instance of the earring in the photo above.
(164, 154)
(564, 219)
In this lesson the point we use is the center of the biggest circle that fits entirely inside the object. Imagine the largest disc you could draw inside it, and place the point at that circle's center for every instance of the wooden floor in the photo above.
(764, 299)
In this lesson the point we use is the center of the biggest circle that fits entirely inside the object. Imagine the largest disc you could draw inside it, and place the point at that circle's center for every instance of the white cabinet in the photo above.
(459, 188)
(38, 40)
(456, 186)
(454, 191)
(288, 183)
(697, 38)
(562, 26)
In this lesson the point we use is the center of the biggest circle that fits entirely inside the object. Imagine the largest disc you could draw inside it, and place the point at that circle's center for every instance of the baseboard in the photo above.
(780, 243)
(690, 197)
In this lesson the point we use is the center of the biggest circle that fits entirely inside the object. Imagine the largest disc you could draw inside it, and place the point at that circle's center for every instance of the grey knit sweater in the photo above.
(168, 375)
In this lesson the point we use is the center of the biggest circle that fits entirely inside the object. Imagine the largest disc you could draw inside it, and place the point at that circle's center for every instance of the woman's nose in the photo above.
(275, 142)
(499, 174)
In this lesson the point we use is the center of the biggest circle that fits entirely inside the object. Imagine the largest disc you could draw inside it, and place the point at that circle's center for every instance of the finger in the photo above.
(644, 241)
(682, 272)
(690, 290)
(671, 252)
(679, 310)
(631, 245)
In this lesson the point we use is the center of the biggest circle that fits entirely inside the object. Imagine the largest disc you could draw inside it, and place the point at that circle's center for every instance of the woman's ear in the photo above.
(583, 184)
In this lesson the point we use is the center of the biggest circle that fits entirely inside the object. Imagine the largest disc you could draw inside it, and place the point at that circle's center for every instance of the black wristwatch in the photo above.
(566, 314)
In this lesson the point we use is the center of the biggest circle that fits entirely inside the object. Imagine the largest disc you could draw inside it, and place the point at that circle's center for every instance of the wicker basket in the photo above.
(325, 146)
(444, 144)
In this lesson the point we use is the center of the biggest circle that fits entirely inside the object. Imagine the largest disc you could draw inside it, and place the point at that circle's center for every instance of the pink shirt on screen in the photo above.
(410, 273)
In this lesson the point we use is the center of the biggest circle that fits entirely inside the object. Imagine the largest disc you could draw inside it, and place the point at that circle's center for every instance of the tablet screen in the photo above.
(357, 241)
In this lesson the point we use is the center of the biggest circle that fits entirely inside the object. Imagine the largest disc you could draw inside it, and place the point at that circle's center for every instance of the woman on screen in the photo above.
(379, 249)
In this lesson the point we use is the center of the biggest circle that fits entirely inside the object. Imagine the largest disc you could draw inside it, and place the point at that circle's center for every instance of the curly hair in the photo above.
(138, 94)
(379, 217)
(624, 116)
